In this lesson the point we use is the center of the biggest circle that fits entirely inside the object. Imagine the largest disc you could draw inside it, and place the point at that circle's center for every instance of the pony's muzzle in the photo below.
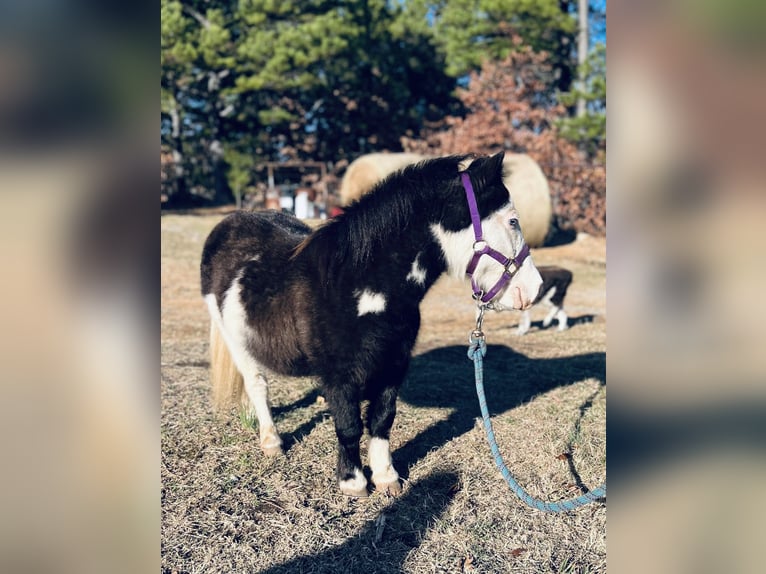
(520, 301)
(526, 286)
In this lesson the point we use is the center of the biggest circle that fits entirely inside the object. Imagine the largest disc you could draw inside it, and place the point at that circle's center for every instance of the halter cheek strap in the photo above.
(481, 248)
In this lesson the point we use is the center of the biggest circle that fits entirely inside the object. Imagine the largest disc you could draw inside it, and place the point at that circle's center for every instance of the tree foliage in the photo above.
(589, 131)
(472, 31)
(508, 107)
(312, 79)
(248, 81)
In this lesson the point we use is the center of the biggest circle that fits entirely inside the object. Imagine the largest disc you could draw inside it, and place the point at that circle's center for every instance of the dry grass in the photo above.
(227, 508)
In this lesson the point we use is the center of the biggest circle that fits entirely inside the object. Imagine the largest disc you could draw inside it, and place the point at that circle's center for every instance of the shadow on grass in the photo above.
(384, 544)
(584, 408)
(444, 378)
(571, 322)
(306, 401)
(292, 438)
(580, 320)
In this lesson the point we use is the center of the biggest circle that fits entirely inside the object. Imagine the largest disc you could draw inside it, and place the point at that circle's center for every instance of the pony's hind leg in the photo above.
(257, 389)
(257, 400)
(232, 328)
(380, 418)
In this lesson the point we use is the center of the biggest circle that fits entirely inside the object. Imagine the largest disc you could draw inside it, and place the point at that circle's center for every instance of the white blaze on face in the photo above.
(370, 302)
(525, 284)
(498, 233)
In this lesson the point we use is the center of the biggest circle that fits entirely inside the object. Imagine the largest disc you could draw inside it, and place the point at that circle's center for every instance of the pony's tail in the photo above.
(226, 379)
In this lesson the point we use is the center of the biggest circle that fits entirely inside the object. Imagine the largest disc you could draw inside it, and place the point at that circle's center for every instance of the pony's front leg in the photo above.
(343, 401)
(524, 323)
(550, 316)
(380, 418)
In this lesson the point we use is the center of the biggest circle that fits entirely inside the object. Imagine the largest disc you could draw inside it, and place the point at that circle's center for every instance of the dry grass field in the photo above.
(227, 508)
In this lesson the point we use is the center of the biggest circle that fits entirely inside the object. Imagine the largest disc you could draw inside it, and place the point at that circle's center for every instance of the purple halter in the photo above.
(481, 247)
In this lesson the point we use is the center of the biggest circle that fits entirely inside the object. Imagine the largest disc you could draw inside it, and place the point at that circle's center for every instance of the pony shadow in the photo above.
(384, 544)
(581, 319)
(444, 378)
(308, 399)
(292, 438)
(571, 322)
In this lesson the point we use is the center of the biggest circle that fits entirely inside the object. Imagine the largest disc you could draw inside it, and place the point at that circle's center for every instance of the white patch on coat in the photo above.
(354, 486)
(370, 302)
(457, 247)
(417, 274)
(383, 471)
(233, 326)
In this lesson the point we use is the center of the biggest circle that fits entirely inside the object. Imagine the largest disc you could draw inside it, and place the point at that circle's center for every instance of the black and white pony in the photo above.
(556, 281)
(341, 302)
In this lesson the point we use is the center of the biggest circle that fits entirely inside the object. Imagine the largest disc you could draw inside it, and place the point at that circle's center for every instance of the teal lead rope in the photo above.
(476, 352)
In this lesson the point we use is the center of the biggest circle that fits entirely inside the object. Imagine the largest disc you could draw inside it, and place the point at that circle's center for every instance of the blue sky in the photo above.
(598, 29)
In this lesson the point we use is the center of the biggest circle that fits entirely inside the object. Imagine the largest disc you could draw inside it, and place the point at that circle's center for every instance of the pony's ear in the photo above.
(495, 166)
(488, 169)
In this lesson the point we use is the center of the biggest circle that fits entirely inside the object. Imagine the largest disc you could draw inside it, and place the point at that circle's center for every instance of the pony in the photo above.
(341, 302)
(523, 175)
(556, 281)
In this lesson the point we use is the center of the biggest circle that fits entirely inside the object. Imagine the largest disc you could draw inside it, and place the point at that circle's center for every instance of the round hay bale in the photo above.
(524, 179)
(367, 170)
(531, 196)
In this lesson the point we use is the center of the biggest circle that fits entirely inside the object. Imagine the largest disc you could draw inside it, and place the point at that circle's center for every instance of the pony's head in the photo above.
(467, 248)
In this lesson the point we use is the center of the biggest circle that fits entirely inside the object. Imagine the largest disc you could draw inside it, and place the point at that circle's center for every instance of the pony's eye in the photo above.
(514, 222)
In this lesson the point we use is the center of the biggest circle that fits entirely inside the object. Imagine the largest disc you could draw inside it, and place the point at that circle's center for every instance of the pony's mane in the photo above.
(350, 238)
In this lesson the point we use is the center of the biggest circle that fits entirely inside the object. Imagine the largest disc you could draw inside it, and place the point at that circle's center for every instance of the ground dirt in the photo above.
(228, 508)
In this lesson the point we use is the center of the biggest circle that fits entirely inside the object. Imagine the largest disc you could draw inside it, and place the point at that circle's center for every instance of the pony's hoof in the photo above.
(271, 444)
(355, 486)
(392, 488)
(355, 492)
(272, 450)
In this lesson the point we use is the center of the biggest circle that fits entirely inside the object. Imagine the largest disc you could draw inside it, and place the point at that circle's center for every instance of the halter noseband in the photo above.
(481, 247)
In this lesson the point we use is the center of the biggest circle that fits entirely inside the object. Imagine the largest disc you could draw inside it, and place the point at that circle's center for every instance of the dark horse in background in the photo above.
(341, 302)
